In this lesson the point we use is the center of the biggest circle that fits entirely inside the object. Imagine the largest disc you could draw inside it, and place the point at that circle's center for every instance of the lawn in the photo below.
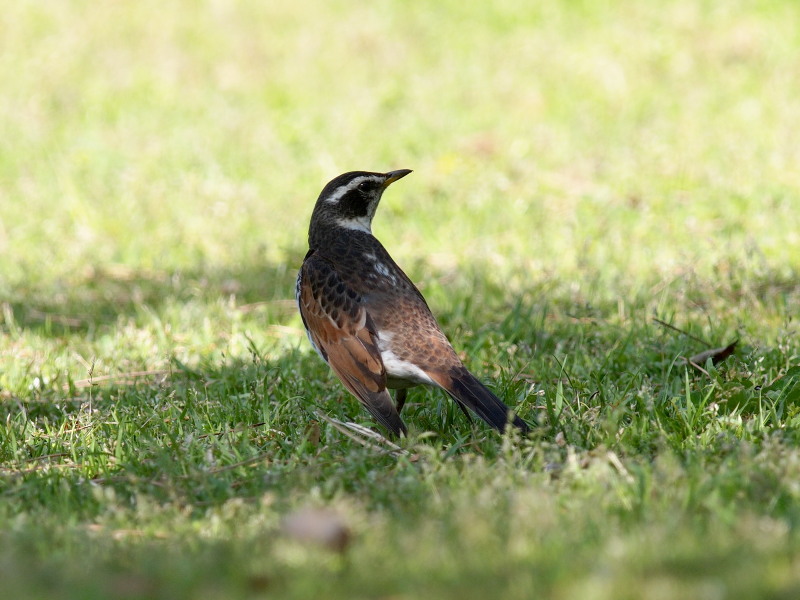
(601, 191)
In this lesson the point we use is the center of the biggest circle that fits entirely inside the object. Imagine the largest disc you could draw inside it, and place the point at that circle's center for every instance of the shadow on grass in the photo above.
(197, 434)
(100, 296)
(548, 346)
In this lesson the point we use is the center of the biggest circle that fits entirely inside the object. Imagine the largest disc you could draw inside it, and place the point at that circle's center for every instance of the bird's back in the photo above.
(405, 323)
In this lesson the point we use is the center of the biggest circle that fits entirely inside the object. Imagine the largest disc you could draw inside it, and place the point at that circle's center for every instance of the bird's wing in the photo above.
(342, 330)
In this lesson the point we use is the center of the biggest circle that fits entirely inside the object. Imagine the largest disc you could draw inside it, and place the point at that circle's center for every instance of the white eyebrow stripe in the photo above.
(337, 195)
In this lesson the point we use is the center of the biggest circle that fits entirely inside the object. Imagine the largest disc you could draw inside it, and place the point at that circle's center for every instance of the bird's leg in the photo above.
(400, 398)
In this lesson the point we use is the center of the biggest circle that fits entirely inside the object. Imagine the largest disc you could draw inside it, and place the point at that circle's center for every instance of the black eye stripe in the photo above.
(354, 204)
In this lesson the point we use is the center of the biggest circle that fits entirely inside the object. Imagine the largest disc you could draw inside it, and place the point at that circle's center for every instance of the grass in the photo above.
(580, 168)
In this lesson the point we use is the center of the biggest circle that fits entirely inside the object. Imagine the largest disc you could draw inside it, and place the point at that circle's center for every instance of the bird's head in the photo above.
(350, 200)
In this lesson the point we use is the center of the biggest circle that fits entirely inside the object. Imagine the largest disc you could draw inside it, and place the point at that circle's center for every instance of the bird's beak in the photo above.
(393, 176)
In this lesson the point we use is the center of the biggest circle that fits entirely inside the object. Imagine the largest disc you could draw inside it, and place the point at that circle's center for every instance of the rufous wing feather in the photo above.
(343, 332)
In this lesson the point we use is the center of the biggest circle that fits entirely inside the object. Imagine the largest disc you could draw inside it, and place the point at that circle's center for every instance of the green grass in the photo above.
(580, 168)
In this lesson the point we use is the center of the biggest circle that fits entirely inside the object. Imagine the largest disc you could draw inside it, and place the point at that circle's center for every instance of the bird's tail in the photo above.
(468, 391)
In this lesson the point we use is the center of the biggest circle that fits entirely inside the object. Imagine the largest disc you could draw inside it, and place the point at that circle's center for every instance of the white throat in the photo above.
(356, 223)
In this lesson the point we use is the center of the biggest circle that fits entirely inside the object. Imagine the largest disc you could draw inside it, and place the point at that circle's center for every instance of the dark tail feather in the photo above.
(469, 392)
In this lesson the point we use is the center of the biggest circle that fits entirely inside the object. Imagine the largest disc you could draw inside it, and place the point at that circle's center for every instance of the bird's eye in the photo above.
(364, 186)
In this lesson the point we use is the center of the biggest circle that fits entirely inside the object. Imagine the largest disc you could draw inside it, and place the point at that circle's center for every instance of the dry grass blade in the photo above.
(286, 306)
(241, 429)
(118, 379)
(681, 331)
(717, 355)
(59, 319)
(362, 435)
(615, 462)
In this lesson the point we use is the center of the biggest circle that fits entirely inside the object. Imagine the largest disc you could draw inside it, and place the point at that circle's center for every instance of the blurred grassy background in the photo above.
(599, 149)
(579, 167)
(170, 136)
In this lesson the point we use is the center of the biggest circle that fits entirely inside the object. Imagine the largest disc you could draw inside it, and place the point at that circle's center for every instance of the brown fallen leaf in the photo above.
(319, 527)
(717, 355)
(313, 433)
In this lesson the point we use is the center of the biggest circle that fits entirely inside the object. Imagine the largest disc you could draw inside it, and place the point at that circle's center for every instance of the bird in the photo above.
(368, 321)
